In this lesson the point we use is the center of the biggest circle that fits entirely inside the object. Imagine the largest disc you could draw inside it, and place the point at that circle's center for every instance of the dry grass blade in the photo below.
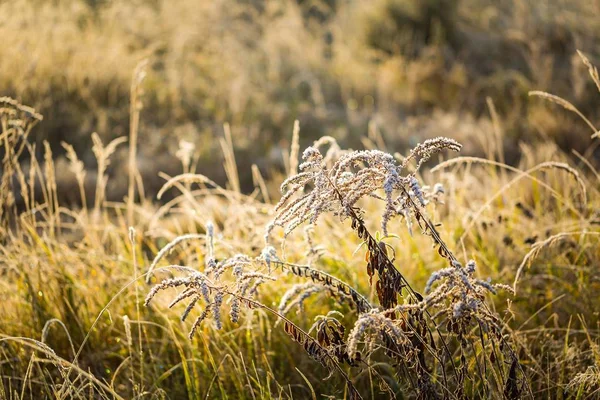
(563, 103)
(539, 246)
(591, 69)
(188, 178)
(230, 163)
(165, 250)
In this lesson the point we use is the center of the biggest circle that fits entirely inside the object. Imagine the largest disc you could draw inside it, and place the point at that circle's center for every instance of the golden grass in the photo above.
(73, 278)
(78, 252)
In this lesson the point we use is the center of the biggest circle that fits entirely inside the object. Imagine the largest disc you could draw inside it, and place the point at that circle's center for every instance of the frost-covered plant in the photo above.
(447, 343)
(353, 176)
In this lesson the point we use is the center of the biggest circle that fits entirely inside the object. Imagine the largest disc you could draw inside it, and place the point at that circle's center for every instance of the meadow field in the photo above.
(257, 199)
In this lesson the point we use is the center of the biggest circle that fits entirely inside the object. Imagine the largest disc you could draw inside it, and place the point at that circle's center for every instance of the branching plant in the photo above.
(446, 343)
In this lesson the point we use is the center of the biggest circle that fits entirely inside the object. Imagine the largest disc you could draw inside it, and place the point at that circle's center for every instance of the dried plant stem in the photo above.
(133, 242)
(295, 149)
(306, 271)
(230, 163)
(260, 181)
(446, 253)
(373, 246)
(135, 107)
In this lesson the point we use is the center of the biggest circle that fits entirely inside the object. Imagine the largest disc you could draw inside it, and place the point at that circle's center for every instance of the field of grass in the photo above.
(149, 170)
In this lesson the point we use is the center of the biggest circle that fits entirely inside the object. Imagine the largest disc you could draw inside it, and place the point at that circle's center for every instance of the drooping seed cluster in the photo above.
(209, 286)
(423, 151)
(459, 287)
(353, 176)
(373, 327)
(296, 295)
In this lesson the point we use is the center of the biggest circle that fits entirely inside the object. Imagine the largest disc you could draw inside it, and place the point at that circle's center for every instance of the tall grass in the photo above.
(404, 312)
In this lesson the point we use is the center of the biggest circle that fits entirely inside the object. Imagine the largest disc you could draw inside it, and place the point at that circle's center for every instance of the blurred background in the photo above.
(403, 69)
